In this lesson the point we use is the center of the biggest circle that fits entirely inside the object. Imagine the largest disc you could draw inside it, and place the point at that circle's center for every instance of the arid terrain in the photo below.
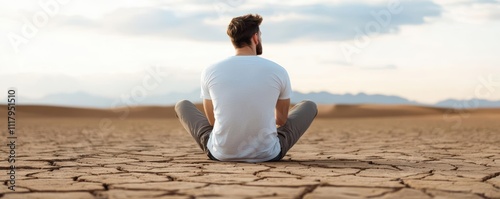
(365, 151)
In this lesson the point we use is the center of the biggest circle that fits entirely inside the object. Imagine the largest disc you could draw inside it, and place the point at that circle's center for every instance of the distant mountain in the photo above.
(82, 99)
(361, 98)
(77, 99)
(465, 104)
(172, 98)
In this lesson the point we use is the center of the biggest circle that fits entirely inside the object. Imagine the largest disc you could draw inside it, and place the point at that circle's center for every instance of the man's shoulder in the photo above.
(220, 63)
(277, 68)
(270, 64)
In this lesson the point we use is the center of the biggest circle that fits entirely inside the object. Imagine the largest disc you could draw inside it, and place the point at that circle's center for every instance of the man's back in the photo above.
(245, 97)
(244, 91)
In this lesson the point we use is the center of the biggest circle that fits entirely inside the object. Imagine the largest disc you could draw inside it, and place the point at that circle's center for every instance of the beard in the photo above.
(259, 48)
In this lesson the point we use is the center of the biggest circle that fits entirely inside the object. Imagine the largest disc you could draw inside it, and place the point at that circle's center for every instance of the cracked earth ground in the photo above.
(407, 157)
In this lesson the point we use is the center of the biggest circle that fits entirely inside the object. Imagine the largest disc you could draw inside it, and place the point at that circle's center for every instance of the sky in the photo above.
(425, 51)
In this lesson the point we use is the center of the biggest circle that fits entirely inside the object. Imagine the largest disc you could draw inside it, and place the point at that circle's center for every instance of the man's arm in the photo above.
(209, 111)
(281, 111)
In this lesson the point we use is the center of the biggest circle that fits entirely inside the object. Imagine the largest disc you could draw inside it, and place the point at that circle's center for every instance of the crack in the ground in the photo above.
(379, 164)
(341, 167)
(357, 172)
(491, 176)
(260, 171)
(307, 190)
(443, 157)
(402, 181)
(173, 193)
(34, 173)
(386, 193)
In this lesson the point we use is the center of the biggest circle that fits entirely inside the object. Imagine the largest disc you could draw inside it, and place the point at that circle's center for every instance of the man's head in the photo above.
(244, 32)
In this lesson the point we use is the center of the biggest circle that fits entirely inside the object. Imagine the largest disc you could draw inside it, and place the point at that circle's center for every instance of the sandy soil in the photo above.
(427, 156)
(324, 111)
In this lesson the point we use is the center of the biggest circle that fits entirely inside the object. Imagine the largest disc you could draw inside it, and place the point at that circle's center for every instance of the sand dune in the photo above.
(370, 110)
(325, 111)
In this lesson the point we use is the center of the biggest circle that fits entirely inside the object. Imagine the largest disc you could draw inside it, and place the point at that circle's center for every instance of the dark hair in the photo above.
(242, 28)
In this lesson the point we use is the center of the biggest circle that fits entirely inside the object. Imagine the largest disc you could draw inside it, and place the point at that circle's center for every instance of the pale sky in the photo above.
(428, 51)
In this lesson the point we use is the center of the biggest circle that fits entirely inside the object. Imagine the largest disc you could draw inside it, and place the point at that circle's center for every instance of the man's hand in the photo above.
(281, 111)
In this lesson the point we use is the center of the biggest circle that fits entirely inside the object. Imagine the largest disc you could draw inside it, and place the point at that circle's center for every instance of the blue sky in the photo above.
(422, 50)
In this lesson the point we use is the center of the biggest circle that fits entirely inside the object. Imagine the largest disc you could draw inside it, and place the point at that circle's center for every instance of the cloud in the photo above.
(488, 1)
(282, 23)
(339, 22)
(386, 67)
(471, 11)
(359, 66)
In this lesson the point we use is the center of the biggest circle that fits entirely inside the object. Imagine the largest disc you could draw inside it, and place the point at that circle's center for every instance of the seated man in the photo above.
(246, 100)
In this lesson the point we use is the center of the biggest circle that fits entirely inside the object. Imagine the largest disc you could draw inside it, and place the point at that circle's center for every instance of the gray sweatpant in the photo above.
(300, 118)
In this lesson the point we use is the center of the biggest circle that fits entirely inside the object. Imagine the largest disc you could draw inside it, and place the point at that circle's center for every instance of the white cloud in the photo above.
(314, 21)
(471, 11)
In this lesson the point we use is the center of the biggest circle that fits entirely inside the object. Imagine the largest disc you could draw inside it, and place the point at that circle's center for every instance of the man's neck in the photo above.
(245, 51)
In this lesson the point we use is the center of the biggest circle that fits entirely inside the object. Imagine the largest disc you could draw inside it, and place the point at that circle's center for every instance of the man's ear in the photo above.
(255, 39)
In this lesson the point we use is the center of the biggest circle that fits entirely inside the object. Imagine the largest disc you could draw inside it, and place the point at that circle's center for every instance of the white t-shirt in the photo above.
(244, 91)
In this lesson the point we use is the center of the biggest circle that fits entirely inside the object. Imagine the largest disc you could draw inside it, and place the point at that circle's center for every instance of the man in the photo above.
(246, 100)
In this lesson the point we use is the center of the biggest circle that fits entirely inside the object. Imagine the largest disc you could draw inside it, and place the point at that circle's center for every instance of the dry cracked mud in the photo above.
(414, 157)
